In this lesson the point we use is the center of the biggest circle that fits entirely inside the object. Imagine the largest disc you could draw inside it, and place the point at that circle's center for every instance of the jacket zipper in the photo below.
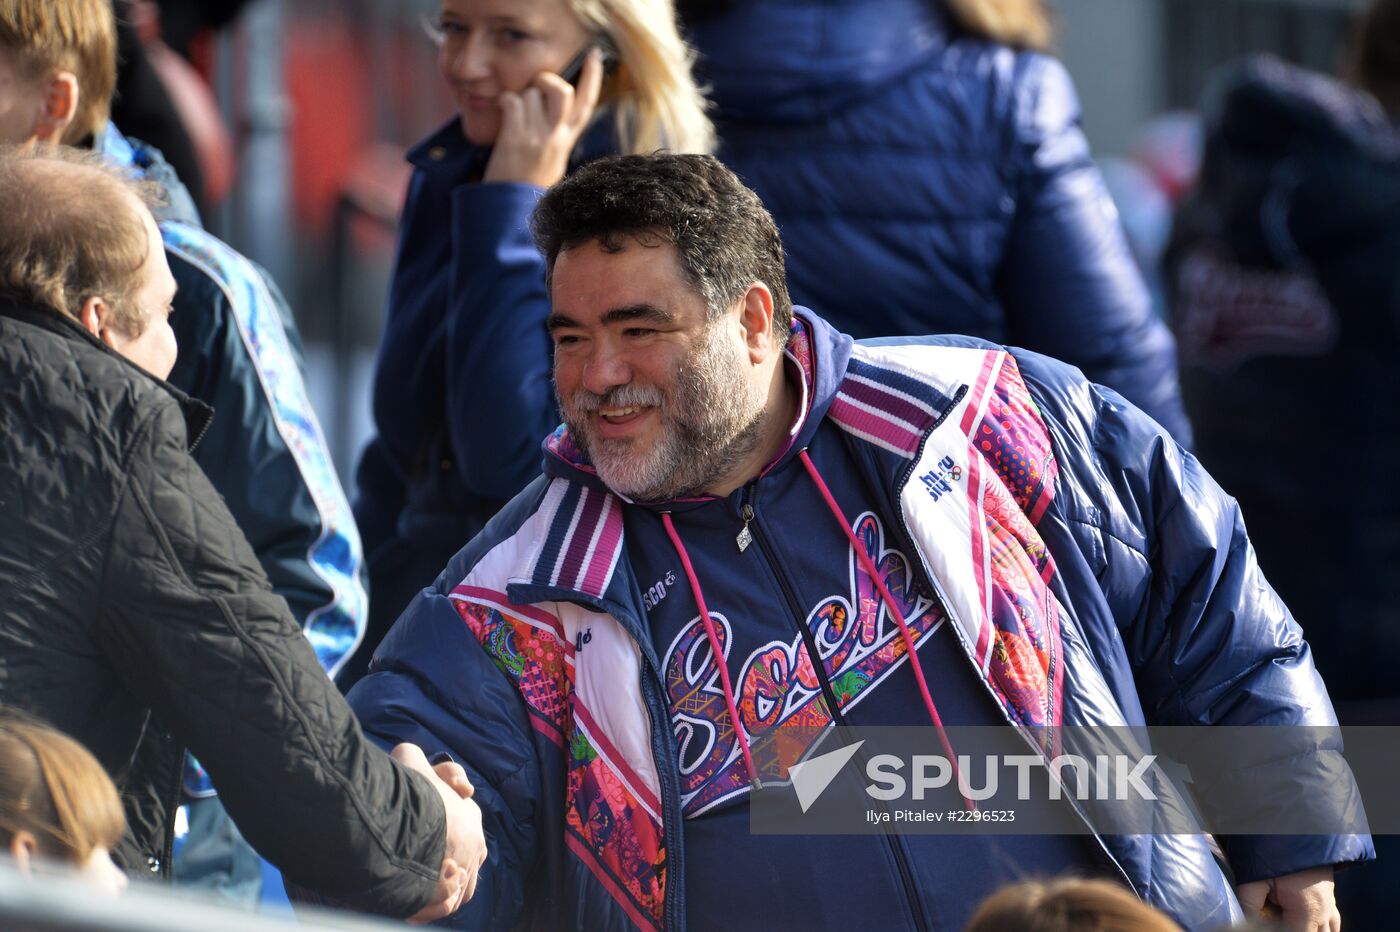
(167, 851)
(901, 860)
(673, 901)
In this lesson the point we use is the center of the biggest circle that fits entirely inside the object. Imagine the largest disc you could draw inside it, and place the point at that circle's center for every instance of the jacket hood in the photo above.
(789, 61)
(1264, 103)
(816, 358)
(1293, 159)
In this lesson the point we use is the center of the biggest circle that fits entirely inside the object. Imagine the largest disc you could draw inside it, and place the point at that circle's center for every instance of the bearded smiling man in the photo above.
(749, 521)
(676, 412)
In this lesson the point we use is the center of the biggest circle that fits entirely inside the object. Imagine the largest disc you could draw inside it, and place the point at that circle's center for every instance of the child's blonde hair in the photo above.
(52, 787)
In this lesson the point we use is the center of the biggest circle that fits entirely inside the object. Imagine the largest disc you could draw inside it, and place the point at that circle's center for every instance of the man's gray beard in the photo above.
(712, 422)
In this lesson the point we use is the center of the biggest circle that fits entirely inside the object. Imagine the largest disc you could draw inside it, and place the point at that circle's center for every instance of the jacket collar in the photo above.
(816, 359)
(197, 414)
(831, 55)
(147, 162)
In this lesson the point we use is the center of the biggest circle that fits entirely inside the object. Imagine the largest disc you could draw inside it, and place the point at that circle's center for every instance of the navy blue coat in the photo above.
(930, 182)
(240, 352)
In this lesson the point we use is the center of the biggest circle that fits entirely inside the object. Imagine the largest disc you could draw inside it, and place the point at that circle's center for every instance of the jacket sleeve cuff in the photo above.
(492, 219)
(1264, 857)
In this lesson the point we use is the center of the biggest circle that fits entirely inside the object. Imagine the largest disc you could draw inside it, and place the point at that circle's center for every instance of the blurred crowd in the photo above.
(211, 653)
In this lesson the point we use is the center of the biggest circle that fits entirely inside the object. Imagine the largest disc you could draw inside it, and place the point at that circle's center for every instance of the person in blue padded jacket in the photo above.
(753, 530)
(931, 145)
(461, 389)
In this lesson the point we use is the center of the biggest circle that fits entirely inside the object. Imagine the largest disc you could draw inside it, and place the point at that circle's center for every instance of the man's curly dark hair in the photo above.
(724, 236)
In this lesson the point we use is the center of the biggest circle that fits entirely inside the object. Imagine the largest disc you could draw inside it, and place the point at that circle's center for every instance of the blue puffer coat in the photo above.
(1119, 588)
(931, 182)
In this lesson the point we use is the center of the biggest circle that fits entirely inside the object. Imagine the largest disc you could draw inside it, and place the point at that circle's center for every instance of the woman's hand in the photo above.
(541, 125)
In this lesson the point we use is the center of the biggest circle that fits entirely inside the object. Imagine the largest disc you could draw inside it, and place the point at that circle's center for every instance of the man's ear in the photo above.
(59, 109)
(756, 318)
(24, 849)
(96, 318)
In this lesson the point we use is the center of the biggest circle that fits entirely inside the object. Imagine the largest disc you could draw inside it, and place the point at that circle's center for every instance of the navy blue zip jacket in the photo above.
(264, 450)
(1103, 580)
(927, 181)
(240, 352)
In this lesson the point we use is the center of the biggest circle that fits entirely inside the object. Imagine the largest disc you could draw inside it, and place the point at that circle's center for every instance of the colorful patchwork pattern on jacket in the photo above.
(979, 490)
(613, 816)
(1021, 649)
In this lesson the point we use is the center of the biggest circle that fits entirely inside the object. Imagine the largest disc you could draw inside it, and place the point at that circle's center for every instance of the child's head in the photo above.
(1067, 905)
(56, 801)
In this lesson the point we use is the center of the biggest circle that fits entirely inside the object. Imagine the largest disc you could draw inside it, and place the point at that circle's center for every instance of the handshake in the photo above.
(465, 850)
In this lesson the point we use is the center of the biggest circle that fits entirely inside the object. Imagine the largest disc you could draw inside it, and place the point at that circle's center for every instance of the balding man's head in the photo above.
(79, 239)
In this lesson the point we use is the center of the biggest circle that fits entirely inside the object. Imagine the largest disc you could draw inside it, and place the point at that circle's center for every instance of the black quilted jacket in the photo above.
(135, 616)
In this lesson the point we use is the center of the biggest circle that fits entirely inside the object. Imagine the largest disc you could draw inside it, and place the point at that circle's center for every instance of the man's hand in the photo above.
(1305, 901)
(465, 850)
(541, 125)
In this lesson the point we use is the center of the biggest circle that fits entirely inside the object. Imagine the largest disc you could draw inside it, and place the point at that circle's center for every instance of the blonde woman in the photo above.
(462, 397)
(927, 154)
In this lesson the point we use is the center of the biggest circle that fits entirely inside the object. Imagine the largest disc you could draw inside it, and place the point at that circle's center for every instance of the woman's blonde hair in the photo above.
(1022, 23)
(1067, 905)
(652, 94)
(52, 787)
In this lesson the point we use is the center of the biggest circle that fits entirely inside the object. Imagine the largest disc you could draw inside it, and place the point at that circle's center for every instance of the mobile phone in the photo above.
(574, 68)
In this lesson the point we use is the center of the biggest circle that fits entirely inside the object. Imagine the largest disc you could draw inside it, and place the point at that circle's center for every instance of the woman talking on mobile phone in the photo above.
(462, 395)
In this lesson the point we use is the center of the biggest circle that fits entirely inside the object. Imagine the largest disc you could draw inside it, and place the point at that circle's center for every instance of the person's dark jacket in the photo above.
(1285, 281)
(142, 105)
(182, 21)
(926, 181)
(136, 618)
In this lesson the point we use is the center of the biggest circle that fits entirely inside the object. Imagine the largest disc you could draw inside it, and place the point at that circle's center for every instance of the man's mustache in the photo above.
(623, 396)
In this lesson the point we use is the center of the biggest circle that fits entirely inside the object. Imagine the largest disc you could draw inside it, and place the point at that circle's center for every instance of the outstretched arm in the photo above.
(188, 613)
(434, 685)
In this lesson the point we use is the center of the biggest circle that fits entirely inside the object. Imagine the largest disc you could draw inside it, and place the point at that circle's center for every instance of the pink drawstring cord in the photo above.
(869, 565)
(713, 638)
